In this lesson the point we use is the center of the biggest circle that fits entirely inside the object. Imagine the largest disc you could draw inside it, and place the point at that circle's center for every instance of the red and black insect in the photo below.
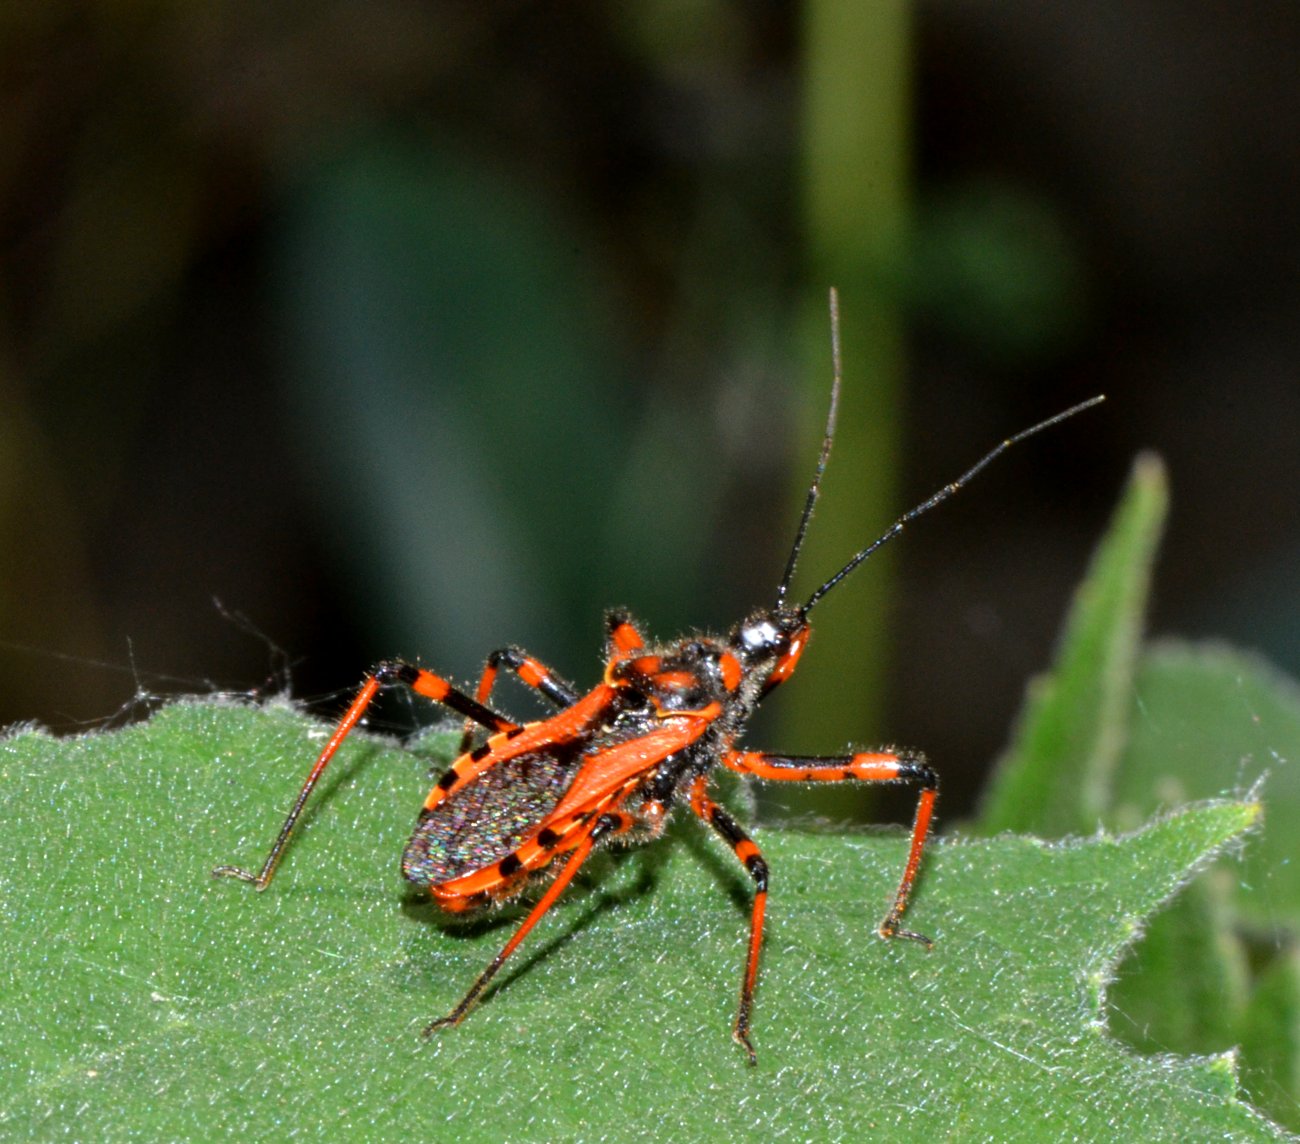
(533, 800)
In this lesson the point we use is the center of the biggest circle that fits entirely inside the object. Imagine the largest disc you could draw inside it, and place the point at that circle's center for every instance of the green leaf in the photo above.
(1056, 777)
(1270, 1038)
(150, 1001)
(1209, 720)
(1215, 969)
(1184, 987)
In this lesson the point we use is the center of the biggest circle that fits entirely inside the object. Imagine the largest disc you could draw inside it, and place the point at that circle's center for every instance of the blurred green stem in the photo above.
(857, 87)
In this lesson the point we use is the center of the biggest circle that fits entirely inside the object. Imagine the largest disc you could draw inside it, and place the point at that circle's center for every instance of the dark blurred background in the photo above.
(415, 330)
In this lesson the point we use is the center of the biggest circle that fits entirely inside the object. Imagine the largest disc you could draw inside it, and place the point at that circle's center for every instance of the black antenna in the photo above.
(942, 495)
(815, 487)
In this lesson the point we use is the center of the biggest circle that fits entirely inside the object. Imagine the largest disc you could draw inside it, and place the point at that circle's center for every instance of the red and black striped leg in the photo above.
(752, 859)
(907, 767)
(393, 671)
(530, 671)
(615, 822)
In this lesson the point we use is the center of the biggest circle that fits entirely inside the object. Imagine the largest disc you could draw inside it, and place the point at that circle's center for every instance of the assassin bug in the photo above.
(533, 800)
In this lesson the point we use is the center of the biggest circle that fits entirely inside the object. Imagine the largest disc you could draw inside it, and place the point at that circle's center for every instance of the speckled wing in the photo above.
(489, 817)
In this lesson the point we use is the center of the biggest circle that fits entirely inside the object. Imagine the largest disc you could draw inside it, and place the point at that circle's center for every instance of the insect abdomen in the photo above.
(488, 818)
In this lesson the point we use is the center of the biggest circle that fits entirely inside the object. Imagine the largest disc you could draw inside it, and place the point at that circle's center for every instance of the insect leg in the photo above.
(602, 825)
(871, 767)
(393, 671)
(623, 636)
(530, 671)
(752, 859)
